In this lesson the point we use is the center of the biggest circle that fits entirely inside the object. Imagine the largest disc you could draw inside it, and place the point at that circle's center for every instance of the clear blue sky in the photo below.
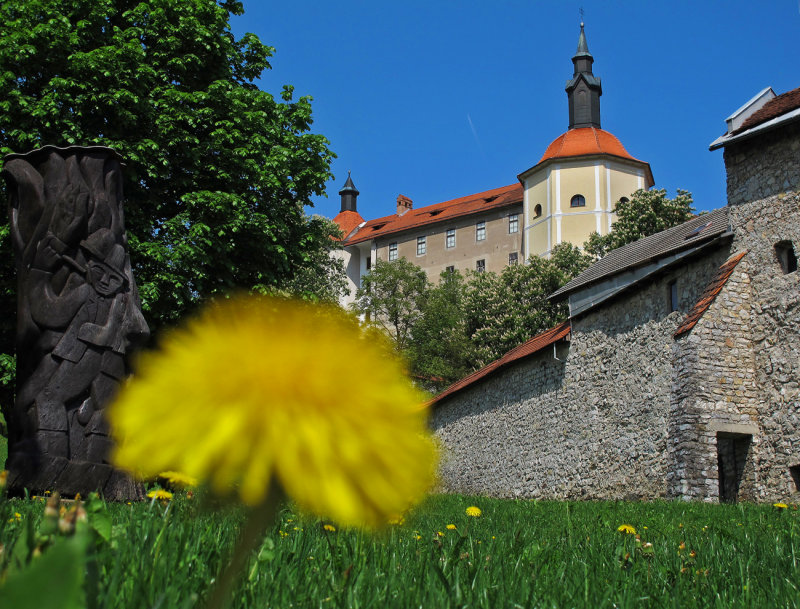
(441, 99)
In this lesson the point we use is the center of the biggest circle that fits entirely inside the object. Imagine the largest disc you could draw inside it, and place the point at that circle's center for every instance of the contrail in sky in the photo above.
(475, 134)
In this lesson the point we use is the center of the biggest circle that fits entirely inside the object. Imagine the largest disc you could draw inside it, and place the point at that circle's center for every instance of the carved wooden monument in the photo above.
(78, 317)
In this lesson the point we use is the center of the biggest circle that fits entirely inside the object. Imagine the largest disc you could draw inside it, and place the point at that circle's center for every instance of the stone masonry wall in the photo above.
(593, 426)
(764, 166)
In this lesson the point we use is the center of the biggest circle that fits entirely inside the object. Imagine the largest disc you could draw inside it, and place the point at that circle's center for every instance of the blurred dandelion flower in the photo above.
(451, 527)
(258, 390)
(780, 506)
(178, 478)
(397, 520)
(626, 528)
(160, 494)
(473, 511)
(329, 527)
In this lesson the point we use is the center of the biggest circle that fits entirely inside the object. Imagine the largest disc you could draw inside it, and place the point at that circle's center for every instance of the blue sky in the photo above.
(441, 99)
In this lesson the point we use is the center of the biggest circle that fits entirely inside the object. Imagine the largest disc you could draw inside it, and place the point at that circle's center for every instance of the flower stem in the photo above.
(251, 535)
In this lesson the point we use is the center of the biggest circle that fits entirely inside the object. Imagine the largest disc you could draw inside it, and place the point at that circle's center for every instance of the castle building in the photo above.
(677, 374)
(571, 192)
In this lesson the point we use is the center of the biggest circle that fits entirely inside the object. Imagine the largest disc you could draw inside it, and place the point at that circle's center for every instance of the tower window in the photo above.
(673, 296)
(513, 258)
(513, 223)
(480, 231)
(480, 266)
(537, 211)
(450, 238)
(623, 200)
(784, 250)
(392, 251)
(577, 201)
(422, 246)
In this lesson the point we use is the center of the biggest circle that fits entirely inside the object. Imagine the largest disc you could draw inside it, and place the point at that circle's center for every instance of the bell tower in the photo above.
(583, 89)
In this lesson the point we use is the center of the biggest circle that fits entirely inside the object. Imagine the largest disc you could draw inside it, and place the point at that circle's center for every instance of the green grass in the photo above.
(517, 554)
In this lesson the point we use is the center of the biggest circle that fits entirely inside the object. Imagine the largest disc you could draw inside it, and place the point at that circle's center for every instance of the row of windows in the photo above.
(450, 237)
(575, 201)
(480, 265)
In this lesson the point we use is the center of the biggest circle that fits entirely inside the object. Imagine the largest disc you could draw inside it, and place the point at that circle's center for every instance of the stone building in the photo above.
(677, 373)
(571, 192)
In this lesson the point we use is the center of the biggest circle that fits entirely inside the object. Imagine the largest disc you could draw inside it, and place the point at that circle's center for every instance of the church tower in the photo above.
(574, 188)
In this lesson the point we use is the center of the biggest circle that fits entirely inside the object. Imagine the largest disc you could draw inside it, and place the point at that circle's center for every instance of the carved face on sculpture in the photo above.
(105, 280)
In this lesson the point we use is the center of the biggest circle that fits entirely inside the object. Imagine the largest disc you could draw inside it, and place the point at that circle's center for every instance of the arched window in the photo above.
(577, 201)
(537, 211)
(623, 200)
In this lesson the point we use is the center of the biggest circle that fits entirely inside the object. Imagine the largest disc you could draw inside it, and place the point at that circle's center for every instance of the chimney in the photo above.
(403, 204)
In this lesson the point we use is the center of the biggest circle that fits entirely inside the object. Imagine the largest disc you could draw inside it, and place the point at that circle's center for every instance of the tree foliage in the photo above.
(218, 171)
(646, 213)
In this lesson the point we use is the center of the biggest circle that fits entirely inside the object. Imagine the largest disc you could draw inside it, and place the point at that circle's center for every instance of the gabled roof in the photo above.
(775, 113)
(709, 294)
(439, 212)
(684, 236)
(586, 141)
(526, 349)
(348, 221)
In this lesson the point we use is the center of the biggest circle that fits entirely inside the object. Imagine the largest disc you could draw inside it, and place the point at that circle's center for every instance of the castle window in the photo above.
(513, 223)
(450, 238)
(513, 258)
(577, 201)
(623, 200)
(480, 266)
(537, 211)
(369, 263)
(422, 246)
(794, 470)
(673, 296)
(392, 251)
(450, 269)
(784, 250)
(480, 231)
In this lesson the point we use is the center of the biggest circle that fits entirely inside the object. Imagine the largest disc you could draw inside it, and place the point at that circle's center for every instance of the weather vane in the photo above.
(581, 11)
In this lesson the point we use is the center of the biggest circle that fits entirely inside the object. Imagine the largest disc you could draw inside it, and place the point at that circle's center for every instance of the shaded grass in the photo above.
(517, 554)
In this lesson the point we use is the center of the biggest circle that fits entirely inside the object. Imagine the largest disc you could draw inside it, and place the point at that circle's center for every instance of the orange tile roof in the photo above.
(782, 104)
(534, 345)
(348, 221)
(448, 210)
(586, 140)
(709, 294)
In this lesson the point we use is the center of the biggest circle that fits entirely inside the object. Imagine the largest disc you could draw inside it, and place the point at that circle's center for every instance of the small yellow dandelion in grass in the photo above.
(397, 520)
(440, 534)
(160, 495)
(780, 506)
(473, 511)
(247, 408)
(627, 529)
(417, 536)
(451, 527)
(329, 527)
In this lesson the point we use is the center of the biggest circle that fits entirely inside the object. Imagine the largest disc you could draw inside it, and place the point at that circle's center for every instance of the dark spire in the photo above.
(583, 89)
(349, 195)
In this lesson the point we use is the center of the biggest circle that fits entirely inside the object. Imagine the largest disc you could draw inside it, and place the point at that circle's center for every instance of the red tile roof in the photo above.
(348, 221)
(710, 293)
(772, 109)
(534, 345)
(448, 210)
(586, 140)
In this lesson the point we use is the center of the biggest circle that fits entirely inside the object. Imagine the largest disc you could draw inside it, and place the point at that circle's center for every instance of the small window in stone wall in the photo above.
(794, 470)
(672, 296)
(784, 250)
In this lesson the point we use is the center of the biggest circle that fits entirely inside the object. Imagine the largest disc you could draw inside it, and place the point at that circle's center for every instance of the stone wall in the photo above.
(763, 166)
(593, 426)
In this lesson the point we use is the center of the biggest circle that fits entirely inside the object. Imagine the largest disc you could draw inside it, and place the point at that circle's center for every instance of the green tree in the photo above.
(218, 171)
(391, 296)
(646, 213)
(504, 310)
(440, 351)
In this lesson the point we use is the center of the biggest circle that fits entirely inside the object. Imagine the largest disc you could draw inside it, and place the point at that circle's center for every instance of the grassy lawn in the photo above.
(516, 554)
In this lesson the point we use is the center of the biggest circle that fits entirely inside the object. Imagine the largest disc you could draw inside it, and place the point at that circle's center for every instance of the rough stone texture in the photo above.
(634, 411)
(763, 166)
(593, 426)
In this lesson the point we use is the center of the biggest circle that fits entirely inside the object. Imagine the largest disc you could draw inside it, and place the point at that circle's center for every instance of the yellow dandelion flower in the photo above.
(440, 534)
(451, 527)
(780, 506)
(473, 511)
(626, 528)
(417, 536)
(178, 478)
(255, 389)
(160, 494)
(397, 520)
(329, 527)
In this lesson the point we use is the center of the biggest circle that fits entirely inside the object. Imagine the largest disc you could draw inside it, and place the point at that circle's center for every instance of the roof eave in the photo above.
(778, 121)
(541, 164)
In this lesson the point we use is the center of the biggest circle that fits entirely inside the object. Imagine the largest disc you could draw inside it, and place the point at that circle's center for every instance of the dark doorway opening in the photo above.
(732, 451)
(794, 470)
